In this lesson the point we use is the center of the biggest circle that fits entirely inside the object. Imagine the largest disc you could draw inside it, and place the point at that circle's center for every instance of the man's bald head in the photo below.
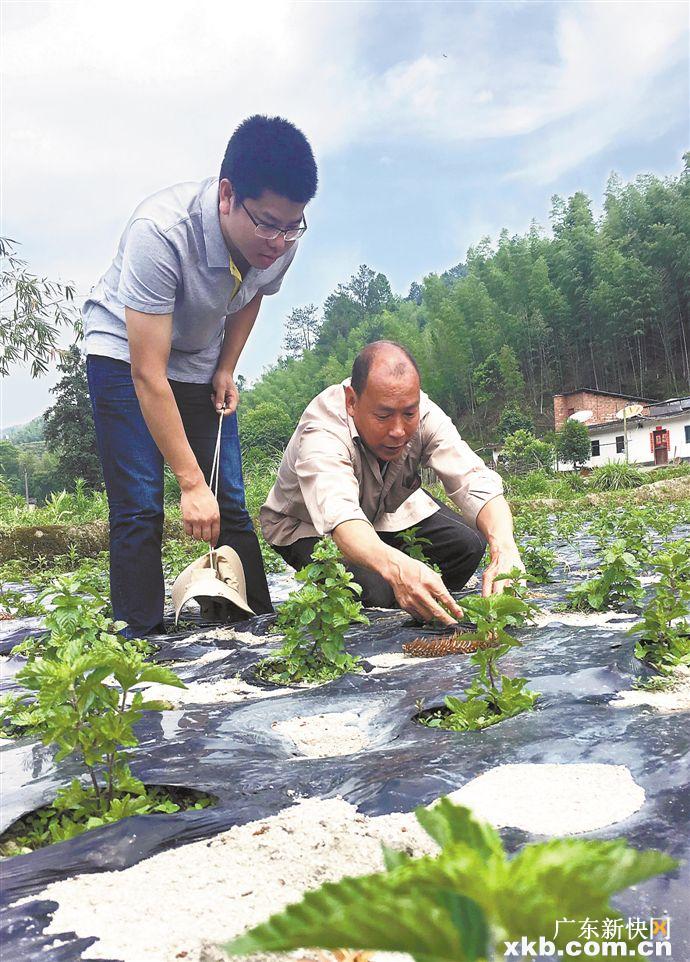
(389, 359)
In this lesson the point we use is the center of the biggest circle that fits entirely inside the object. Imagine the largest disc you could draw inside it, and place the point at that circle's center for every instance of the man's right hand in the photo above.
(200, 513)
(418, 590)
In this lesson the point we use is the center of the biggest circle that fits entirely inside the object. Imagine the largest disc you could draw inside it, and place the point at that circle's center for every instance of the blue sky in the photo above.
(434, 124)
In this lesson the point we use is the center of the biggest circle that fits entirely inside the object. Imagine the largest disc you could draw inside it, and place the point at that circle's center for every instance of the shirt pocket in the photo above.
(401, 489)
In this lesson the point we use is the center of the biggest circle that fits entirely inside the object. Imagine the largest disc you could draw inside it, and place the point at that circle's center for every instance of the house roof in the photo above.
(591, 390)
(649, 419)
(674, 405)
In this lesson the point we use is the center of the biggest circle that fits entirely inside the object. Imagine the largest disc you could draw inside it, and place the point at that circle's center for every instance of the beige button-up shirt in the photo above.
(328, 475)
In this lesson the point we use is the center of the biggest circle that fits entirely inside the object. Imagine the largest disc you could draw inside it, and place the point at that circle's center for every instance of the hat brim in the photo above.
(199, 580)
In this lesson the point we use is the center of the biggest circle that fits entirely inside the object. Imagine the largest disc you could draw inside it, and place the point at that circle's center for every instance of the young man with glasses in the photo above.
(164, 329)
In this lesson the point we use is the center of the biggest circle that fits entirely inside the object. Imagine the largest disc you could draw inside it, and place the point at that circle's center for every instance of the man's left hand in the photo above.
(504, 557)
(224, 392)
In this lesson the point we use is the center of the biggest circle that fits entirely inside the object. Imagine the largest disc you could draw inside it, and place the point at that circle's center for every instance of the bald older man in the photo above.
(352, 470)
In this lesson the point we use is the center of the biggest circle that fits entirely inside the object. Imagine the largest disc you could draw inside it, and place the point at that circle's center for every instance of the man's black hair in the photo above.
(365, 358)
(269, 153)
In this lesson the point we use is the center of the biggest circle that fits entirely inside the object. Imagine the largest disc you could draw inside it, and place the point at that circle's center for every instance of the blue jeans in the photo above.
(133, 473)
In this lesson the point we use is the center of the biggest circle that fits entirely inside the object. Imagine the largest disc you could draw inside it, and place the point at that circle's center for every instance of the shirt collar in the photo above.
(217, 254)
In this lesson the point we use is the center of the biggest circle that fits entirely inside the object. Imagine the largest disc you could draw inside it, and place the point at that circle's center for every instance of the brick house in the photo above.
(659, 434)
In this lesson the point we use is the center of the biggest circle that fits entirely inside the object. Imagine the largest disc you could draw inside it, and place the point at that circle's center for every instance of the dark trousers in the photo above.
(133, 473)
(455, 547)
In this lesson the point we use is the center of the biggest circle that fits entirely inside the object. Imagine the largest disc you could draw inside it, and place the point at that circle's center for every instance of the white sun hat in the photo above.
(216, 576)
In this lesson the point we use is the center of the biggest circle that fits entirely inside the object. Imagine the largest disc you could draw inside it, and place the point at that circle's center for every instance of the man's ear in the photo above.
(225, 195)
(350, 400)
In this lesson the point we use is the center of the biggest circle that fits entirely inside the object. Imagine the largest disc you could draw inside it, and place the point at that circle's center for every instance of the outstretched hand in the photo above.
(420, 591)
(504, 558)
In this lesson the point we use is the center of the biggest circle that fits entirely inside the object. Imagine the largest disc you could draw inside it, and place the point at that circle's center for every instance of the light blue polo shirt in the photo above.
(172, 259)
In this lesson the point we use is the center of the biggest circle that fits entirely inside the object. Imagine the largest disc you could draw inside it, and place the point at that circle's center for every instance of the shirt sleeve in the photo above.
(467, 480)
(274, 285)
(150, 273)
(327, 481)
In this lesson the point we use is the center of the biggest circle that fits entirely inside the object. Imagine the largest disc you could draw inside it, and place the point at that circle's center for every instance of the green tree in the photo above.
(32, 309)
(573, 443)
(265, 430)
(28, 433)
(69, 430)
(416, 293)
(514, 419)
(9, 464)
(487, 380)
(301, 330)
(370, 290)
(511, 376)
(523, 452)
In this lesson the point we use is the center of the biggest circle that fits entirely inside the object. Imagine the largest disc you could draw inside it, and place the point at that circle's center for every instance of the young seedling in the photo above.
(567, 524)
(17, 604)
(492, 696)
(665, 624)
(618, 582)
(413, 545)
(314, 620)
(628, 526)
(469, 902)
(80, 697)
(539, 560)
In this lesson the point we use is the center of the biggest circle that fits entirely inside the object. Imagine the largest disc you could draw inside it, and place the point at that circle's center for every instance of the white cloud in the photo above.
(104, 102)
(147, 91)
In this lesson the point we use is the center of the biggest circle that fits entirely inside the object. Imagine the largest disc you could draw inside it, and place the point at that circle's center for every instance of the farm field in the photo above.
(294, 785)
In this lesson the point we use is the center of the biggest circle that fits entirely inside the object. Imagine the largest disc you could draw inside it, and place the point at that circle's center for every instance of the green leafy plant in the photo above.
(15, 603)
(314, 620)
(537, 556)
(567, 524)
(663, 518)
(413, 546)
(522, 451)
(177, 553)
(665, 624)
(466, 903)
(573, 443)
(80, 695)
(615, 476)
(629, 525)
(539, 561)
(618, 582)
(492, 696)
(77, 810)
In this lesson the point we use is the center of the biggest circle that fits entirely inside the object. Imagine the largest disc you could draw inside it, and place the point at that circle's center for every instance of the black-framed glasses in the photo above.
(268, 232)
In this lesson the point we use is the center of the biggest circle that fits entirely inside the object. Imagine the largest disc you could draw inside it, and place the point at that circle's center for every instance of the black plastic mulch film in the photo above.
(231, 751)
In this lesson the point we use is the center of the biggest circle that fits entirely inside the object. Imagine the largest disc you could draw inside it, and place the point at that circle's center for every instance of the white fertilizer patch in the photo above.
(227, 634)
(675, 698)
(650, 579)
(212, 890)
(553, 799)
(207, 693)
(595, 619)
(394, 660)
(322, 736)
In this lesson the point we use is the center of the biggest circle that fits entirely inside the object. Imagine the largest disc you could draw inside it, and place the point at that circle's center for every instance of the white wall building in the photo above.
(659, 435)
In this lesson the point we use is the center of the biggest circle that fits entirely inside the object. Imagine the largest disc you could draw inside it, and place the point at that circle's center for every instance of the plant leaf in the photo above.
(340, 914)
(449, 824)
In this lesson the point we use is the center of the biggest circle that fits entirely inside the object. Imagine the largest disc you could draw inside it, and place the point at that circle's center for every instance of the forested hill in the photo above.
(602, 304)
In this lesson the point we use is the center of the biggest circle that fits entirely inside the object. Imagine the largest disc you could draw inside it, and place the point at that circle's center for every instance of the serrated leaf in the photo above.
(372, 913)
(450, 824)
(161, 675)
